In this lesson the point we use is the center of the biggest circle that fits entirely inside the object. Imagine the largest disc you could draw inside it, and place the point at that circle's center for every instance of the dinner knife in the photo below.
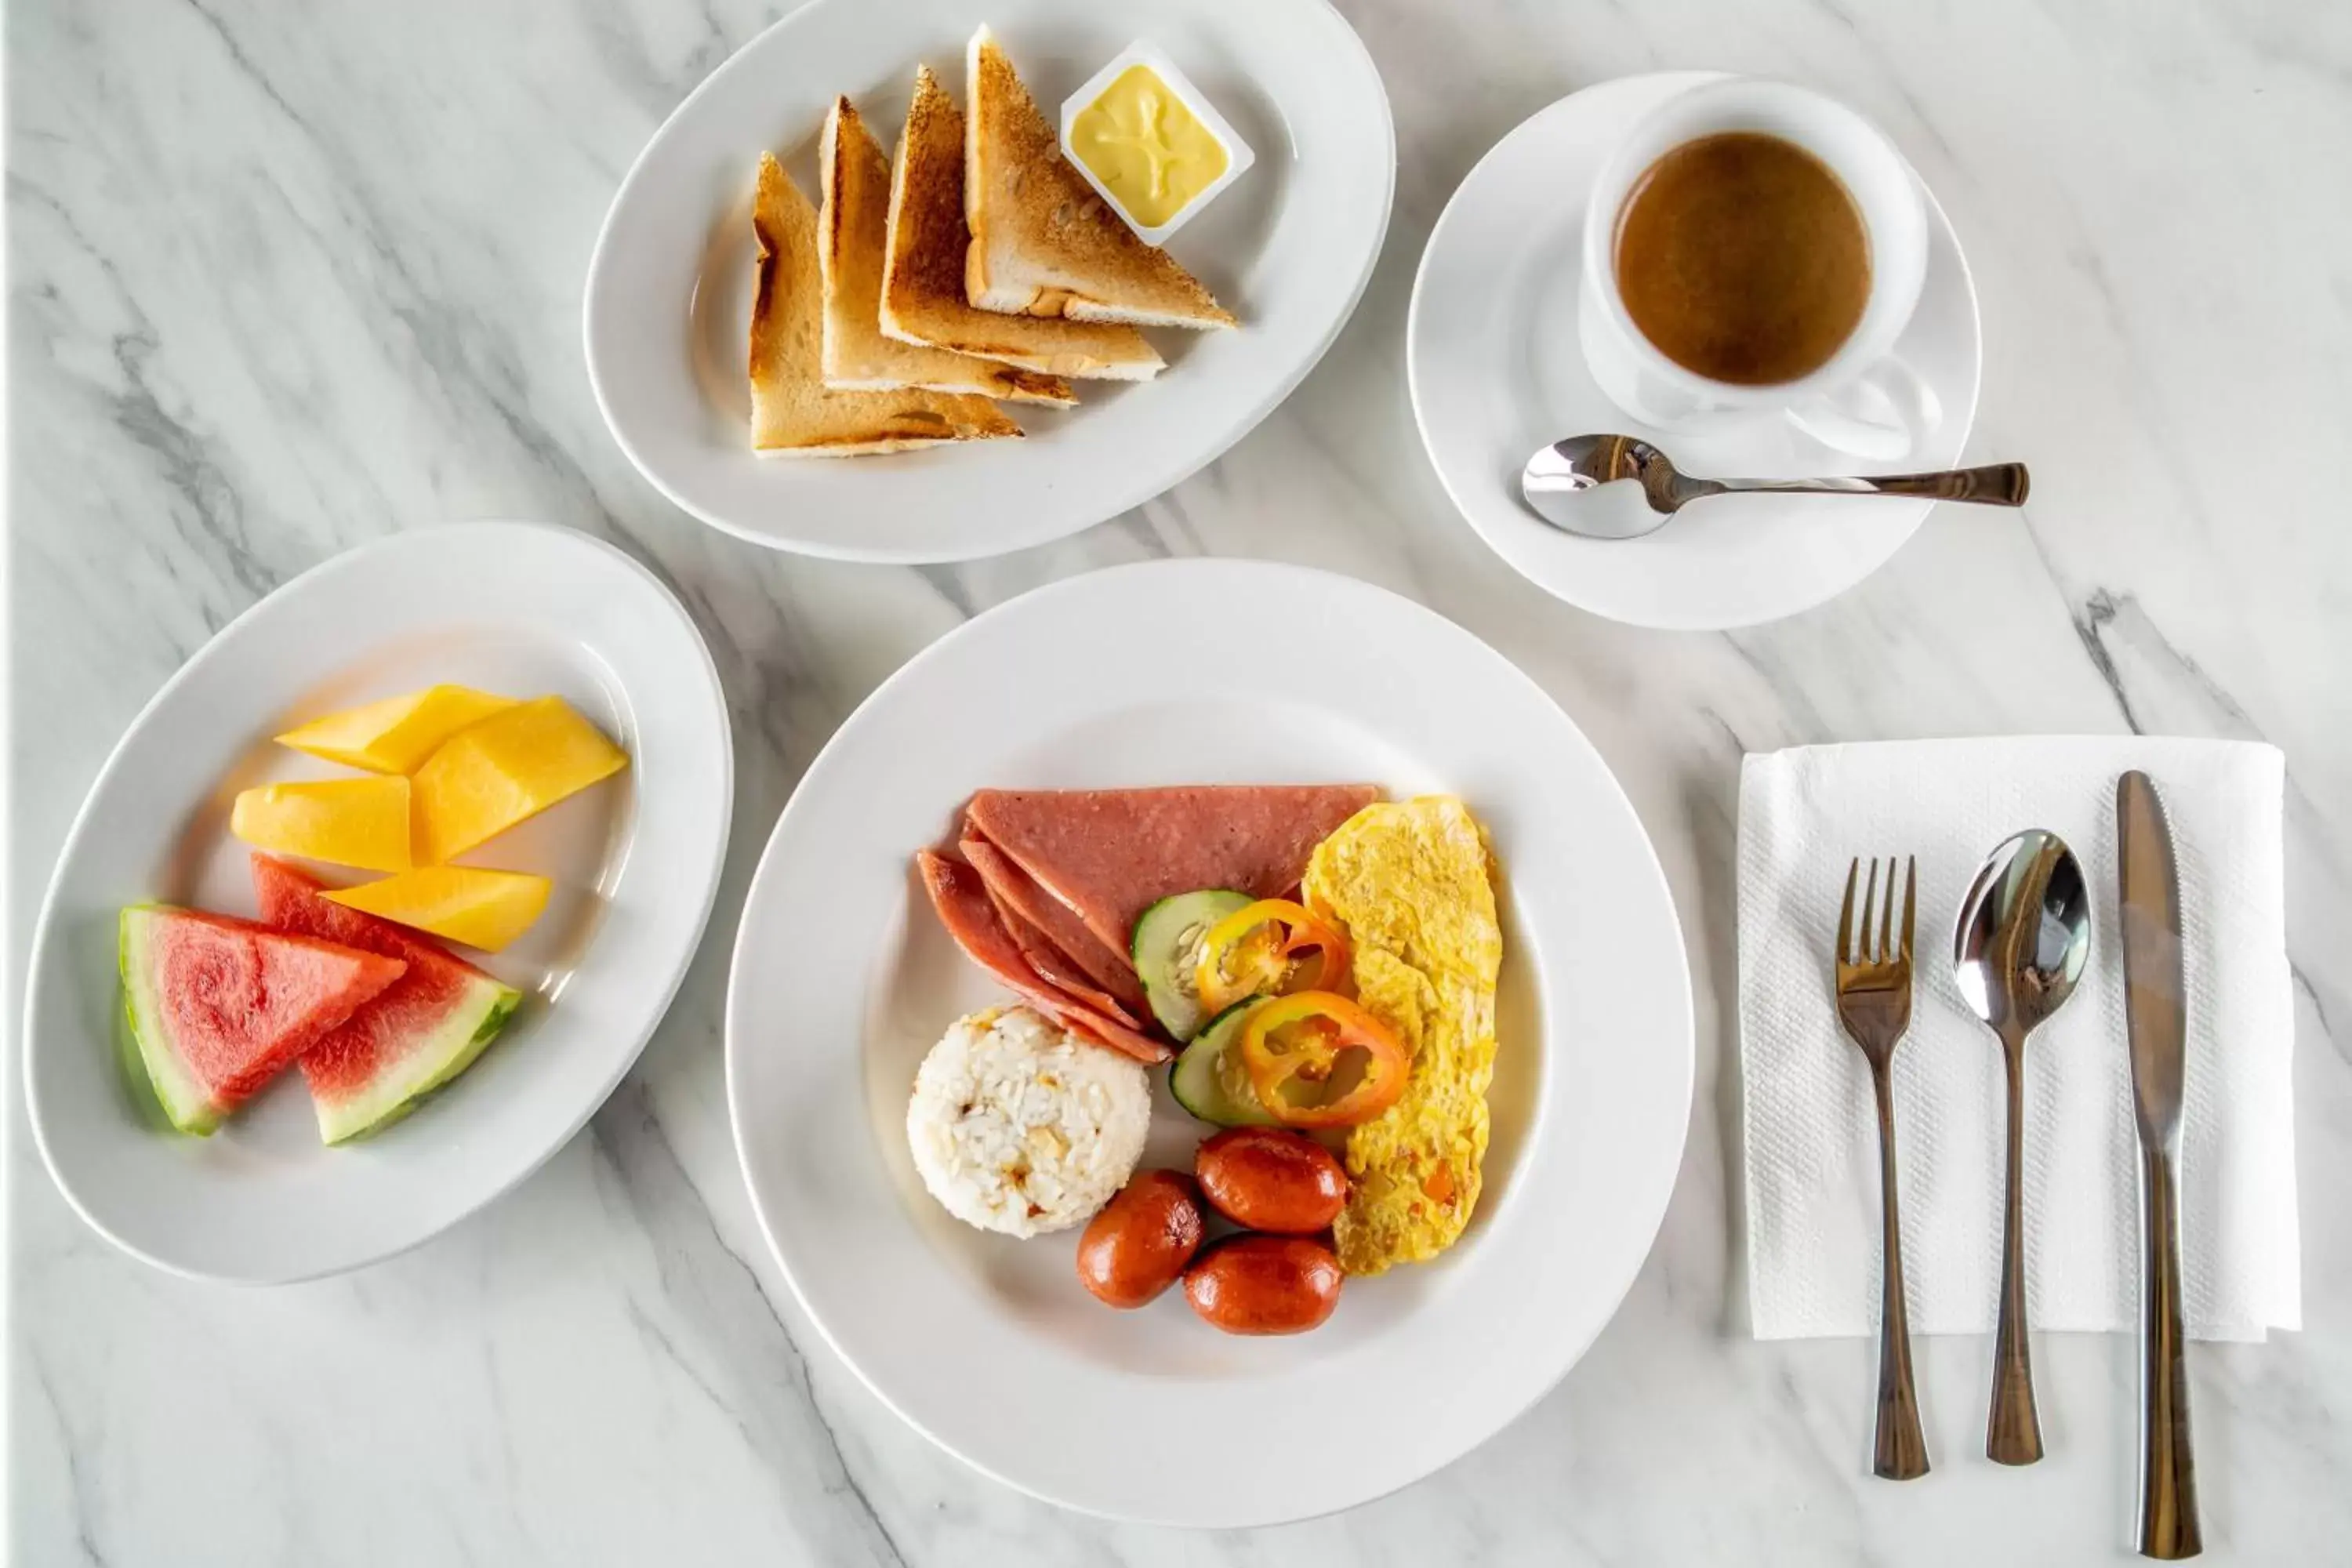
(2155, 1006)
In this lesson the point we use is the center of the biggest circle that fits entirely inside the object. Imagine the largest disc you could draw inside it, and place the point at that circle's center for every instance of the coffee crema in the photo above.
(1743, 258)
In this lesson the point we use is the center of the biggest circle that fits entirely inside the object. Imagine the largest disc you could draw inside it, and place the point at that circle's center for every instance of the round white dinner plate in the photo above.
(1184, 672)
(1288, 248)
(1496, 372)
(510, 607)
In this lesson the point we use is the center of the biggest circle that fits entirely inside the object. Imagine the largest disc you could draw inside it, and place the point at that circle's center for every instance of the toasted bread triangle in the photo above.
(922, 280)
(1043, 242)
(792, 411)
(853, 220)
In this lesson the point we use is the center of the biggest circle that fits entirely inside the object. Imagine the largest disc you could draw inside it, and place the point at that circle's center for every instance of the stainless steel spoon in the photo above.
(2024, 936)
(1560, 472)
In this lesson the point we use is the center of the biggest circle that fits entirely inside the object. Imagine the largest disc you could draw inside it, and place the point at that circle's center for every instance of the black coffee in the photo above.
(1743, 257)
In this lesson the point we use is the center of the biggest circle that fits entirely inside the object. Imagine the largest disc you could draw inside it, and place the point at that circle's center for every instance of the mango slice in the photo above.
(395, 735)
(460, 903)
(351, 822)
(510, 766)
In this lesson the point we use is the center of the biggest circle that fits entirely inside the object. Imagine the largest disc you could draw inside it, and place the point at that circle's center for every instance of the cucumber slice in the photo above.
(1167, 952)
(1210, 1079)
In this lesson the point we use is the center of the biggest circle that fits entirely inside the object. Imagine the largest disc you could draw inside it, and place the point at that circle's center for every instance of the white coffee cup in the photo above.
(1864, 401)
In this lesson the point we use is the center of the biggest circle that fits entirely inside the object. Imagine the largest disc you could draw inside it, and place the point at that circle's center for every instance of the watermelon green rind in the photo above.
(408, 1042)
(430, 1060)
(184, 1100)
(218, 1006)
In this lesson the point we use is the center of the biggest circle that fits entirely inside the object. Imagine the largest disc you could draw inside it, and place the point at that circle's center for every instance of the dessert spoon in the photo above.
(2024, 936)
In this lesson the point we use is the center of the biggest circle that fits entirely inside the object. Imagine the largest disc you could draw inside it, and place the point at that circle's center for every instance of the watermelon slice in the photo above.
(417, 1037)
(219, 1006)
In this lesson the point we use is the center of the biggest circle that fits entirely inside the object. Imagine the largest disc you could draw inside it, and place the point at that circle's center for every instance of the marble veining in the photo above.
(284, 280)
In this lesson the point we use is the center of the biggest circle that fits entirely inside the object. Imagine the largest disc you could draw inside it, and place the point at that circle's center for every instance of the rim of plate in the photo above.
(1051, 528)
(261, 609)
(1470, 509)
(1681, 1047)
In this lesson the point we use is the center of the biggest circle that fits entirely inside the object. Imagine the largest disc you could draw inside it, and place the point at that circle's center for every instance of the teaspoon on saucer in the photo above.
(1559, 473)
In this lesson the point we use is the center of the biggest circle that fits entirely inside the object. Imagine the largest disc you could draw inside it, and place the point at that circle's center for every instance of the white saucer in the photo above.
(506, 607)
(843, 978)
(1496, 373)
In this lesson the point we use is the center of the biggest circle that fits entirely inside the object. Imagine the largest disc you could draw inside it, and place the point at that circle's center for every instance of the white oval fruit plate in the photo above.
(1289, 250)
(515, 608)
(842, 980)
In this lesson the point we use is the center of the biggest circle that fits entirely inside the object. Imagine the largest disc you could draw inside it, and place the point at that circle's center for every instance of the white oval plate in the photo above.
(843, 979)
(508, 606)
(1289, 250)
(1496, 372)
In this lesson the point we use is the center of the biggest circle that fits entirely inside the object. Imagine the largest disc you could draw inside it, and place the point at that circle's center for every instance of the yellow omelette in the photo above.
(1409, 880)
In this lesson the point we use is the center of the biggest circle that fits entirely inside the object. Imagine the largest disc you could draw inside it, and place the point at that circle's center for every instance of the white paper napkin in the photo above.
(1811, 1135)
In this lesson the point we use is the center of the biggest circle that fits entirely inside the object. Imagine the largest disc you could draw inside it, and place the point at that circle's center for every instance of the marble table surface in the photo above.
(286, 278)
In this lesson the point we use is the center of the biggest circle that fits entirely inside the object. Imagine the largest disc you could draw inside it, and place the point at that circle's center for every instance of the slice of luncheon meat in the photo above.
(1017, 894)
(1110, 854)
(960, 899)
(1054, 966)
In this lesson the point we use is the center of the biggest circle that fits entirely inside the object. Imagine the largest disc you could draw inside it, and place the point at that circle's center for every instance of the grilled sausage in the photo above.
(1139, 1243)
(1268, 1179)
(1264, 1285)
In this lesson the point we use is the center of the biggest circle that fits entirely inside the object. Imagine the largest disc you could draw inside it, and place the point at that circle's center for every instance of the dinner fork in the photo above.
(1873, 1004)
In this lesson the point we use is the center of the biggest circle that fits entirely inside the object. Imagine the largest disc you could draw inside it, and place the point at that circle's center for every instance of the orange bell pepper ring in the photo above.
(1261, 949)
(1317, 1059)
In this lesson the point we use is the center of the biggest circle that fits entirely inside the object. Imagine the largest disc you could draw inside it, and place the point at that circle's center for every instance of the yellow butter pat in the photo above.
(1146, 146)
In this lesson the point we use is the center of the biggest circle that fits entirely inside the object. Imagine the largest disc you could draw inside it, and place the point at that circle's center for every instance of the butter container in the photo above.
(1149, 143)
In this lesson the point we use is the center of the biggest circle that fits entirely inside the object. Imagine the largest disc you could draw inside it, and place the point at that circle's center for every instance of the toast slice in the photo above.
(792, 411)
(922, 275)
(855, 221)
(1043, 242)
